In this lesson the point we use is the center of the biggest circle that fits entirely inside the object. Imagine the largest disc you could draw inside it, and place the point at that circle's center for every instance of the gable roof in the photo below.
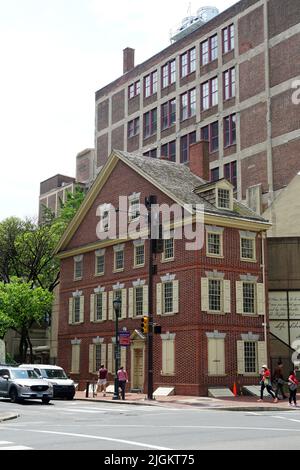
(173, 179)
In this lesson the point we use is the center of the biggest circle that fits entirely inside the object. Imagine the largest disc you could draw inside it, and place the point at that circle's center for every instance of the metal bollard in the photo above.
(87, 389)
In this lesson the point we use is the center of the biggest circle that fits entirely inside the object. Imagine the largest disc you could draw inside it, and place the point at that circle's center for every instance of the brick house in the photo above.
(210, 303)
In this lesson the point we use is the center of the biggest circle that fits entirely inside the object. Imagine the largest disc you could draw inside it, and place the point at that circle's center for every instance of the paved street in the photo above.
(85, 425)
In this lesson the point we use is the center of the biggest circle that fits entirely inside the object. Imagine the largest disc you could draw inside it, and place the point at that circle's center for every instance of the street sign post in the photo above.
(124, 338)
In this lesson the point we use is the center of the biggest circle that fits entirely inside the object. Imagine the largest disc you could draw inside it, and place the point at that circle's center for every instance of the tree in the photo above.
(21, 306)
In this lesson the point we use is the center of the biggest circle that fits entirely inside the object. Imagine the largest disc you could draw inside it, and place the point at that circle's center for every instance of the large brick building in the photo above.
(229, 81)
(210, 302)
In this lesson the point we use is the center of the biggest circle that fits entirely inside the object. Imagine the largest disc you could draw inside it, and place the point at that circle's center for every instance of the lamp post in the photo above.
(117, 307)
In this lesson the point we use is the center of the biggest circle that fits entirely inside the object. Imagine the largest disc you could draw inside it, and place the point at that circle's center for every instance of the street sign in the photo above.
(124, 338)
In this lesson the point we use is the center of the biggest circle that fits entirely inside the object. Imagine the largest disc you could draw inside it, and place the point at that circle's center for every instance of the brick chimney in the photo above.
(128, 59)
(199, 159)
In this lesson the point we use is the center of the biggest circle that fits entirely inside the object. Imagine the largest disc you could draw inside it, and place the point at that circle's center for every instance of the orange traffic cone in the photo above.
(234, 390)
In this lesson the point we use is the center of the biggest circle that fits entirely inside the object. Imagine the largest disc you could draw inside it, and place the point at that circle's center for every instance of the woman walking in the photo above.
(265, 382)
(293, 384)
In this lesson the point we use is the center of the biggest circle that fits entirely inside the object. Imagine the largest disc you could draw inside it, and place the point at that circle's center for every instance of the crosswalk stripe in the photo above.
(16, 448)
(5, 442)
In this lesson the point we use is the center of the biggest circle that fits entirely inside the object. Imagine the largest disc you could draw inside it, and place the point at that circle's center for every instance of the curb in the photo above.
(8, 416)
(121, 402)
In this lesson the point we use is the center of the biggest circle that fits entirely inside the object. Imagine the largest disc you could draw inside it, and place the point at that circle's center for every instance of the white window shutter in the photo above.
(171, 356)
(110, 358)
(212, 356)
(175, 296)
(145, 301)
(104, 306)
(240, 357)
(71, 311)
(261, 355)
(130, 302)
(261, 301)
(227, 297)
(92, 308)
(82, 309)
(239, 297)
(159, 299)
(124, 303)
(91, 358)
(110, 305)
(221, 356)
(75, 365)
(103, 354)
(123, 357)
(204, 295)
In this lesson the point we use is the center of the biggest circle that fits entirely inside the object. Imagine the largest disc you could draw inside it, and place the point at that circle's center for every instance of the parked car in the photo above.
(63, 387)
(18, 384)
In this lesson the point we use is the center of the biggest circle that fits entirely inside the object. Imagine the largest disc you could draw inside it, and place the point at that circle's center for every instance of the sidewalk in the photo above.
(240, 403)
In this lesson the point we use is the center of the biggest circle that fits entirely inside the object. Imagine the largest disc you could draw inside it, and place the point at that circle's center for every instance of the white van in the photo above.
(63, 387)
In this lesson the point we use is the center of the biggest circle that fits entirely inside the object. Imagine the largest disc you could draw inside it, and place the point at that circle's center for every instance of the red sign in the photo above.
(124, 338)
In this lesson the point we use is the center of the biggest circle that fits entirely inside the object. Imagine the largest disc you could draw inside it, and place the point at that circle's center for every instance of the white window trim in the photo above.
(98, 254)
(248, 236)
(227, 187)
(132, 198)
(135, 246)
(118, 249)
(104, 208)
(214, 231)
(163, 258)
(78, 259)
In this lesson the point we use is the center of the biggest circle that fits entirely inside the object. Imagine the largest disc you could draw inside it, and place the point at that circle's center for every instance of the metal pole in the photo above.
(152, 200)
(116, 390)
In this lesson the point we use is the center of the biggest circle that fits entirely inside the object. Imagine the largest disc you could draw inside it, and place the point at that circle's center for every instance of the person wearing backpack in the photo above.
(293, 384)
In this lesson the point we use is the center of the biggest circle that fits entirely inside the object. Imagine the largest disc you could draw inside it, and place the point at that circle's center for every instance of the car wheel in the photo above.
(45, 400)
(13, 395)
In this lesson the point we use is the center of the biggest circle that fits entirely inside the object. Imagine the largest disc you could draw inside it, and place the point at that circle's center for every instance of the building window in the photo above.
(209, 93)
(168, 114)
(150, 84)
(119, 260)
(223, 198)
(97, 352)
(134, 89)
(99, 307)
(138, 301)
(168, 297)
(188, 104)
(250, 357)
(214, 295)
(134, 208)
(100, 264)
(229, 84)
(214, 174)
(139, 255)
(214, 244)
(150, 123)
(133, 127)
(105, 217)
(168, 253)
(151, 153)
(209, 50)
(248, 249)
(249, 300)
(76, 310)
(188, 62)
(211, 134)
(169, 73)
(185, 143)
(169, 151)
(228, 39)
(78, 268)
(230, 130)
(230, 173)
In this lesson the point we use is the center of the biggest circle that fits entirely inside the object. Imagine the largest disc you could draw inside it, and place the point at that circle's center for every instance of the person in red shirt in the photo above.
(293, 384)
(265, 382)
(102, 379)
(122, 379)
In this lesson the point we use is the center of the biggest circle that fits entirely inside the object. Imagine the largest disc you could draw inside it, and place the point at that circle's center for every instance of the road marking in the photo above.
(251, 413)
(287, 419)
(100, 438)
(5, 442)
(16, 448)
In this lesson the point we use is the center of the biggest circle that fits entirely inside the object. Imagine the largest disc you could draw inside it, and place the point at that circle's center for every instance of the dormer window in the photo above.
(224, 198)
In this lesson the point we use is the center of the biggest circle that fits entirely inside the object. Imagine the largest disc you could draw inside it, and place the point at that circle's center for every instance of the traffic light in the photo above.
(145, 325)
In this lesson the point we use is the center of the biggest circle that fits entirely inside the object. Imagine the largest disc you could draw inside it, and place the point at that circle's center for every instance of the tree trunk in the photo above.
(23, 346)
(30, 348)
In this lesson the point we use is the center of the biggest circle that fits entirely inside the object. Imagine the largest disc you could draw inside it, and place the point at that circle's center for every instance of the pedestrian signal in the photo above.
(145, 325)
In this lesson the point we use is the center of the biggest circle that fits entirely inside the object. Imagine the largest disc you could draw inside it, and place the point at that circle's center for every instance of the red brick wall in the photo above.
(102, 149)
(284, 173)
(251, 30)
(118, 106)
(284, 60)
(103, 110)
(285, 114)
(253, 125)
(252, 77)
(117, 138)
(282, 15)
(255, 171)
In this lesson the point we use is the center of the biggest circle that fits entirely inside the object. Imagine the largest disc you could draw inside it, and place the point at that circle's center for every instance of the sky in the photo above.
(54, 56)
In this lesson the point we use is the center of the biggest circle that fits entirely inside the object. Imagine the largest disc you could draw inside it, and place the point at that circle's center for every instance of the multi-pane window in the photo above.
(105, 217)
(228, 38)
(214, 244)
(139, 255)
(223, 198)
(139, 300)
(168, 114)
(230, 130)
(133, 127)
(230, 173)
(188, 104)
(151, 153)
(214, 295)
(134, 208)
(209, 50)
(169, 150)
(209, 93)
(229, 83)
(211, 134)
(119, 260)
(249, 297)
(97, 352)
(247, 248)
(99, 307)
(169, 73)
(168, 297)
(150, 84)
(78, 268)
(188, 62)
(185, 143)
(150, 123)
(168, 252)
(100, 264)
(250, 357)
(134, 89)
(76, 309)
(214, 174)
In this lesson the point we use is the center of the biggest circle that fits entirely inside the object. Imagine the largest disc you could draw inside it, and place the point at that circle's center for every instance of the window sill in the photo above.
(211, 312)
(139, 266)
(248, 260)
(77, 279)
(209, 255)
(98, 321)
(99, 274)
(168, 314)
(77, 323)
(165, 374)
(118, 270)
(217, 375)
(168, 260)
(254, 315)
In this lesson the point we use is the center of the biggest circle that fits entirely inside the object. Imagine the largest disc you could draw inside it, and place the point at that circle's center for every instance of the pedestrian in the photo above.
(265, 382)
(122, 380)
(102, 380)
(279, 380)
(293, 384)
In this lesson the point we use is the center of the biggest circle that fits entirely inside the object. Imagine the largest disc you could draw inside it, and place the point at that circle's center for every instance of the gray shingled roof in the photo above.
(178, 180)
